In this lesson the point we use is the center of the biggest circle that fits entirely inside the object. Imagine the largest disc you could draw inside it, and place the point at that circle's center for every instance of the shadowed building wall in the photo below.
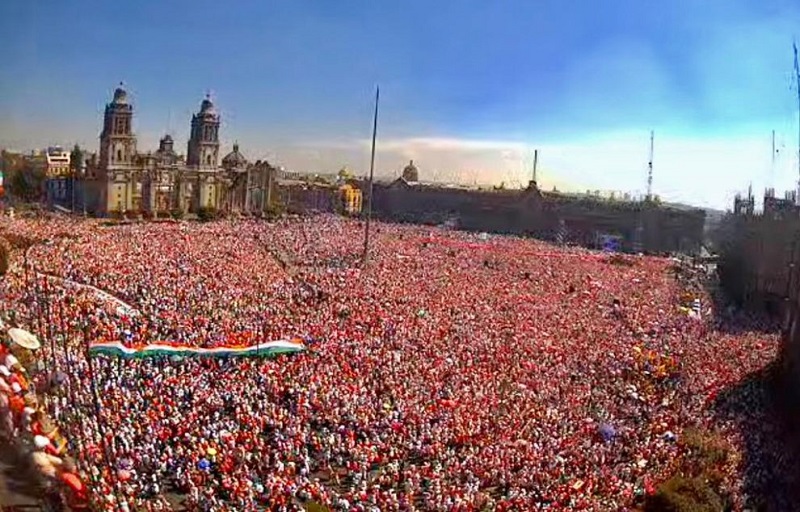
(531, 212)
(759, 267)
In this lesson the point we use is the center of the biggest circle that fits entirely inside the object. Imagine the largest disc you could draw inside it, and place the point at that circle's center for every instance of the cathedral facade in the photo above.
(124, 180)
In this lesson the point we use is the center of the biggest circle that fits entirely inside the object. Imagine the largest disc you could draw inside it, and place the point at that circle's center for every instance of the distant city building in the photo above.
(744, 205)
(775, 206)
(352, 199)
(57, 162)
(644, 226)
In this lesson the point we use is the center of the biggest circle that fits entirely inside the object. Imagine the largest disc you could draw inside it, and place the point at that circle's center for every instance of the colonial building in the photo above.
(57, 162)
(127, 181)
(57, 168)
(574, 219)
(352, 199)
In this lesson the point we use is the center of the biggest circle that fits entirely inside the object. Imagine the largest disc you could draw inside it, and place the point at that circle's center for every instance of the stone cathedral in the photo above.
(128, 181)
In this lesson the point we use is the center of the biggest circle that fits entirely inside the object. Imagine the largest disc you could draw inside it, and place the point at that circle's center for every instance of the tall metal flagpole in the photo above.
(49, 329)
(104, 441)
(371, 175)
(797, 84)
(40, 324)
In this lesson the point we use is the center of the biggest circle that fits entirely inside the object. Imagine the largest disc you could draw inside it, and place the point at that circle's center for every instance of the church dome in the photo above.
(411, 173)
(120, 95)
(234, 159)
(165, 146)
(345, 173)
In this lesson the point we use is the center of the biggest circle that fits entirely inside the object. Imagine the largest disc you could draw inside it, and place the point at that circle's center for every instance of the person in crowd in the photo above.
(432, 380)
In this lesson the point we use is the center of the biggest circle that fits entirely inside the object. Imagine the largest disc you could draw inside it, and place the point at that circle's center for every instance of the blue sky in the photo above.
(469, 88)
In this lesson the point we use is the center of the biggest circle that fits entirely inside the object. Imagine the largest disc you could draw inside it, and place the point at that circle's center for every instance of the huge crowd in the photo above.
(451, 372)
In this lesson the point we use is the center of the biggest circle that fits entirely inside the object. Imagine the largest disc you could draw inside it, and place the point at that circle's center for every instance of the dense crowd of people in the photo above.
(452, 372)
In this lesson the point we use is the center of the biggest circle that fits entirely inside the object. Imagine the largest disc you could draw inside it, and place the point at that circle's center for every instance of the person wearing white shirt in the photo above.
(48, 465)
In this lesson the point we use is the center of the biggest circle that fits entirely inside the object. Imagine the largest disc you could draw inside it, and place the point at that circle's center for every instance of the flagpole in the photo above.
(40, 328)
(797, 84)
(50, 329)
(772, 163)
(104, 447)
(371, 176)
(66, 330)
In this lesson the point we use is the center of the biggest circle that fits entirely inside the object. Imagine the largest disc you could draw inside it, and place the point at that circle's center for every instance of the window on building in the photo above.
(208, 160)
(119, 155)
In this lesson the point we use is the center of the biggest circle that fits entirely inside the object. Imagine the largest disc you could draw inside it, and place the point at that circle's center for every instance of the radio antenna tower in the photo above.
(777, 145)
(650, 169)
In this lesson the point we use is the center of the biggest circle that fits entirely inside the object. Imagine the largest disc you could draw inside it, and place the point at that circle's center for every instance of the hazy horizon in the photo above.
(467, 92)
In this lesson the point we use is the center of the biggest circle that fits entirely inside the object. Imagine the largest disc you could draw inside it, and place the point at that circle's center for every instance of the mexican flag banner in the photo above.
(268, 349)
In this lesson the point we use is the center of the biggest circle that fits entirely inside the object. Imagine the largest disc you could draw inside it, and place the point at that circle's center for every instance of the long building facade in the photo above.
(593, 222)
(124, 180)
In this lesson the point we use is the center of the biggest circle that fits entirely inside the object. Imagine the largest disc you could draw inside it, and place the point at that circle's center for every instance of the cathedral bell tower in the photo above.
(203, 150)
(117, 142)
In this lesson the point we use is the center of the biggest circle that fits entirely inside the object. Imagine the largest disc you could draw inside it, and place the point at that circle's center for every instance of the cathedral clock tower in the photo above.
(117, 142)
(203, 150)
(118, 155)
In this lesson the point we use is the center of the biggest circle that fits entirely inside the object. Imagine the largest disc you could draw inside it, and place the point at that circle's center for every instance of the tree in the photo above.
(274, 211)
(76, 159)
(697, 485)
(206, 214)
(27, 183)
(681, 494)
(313, 506)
